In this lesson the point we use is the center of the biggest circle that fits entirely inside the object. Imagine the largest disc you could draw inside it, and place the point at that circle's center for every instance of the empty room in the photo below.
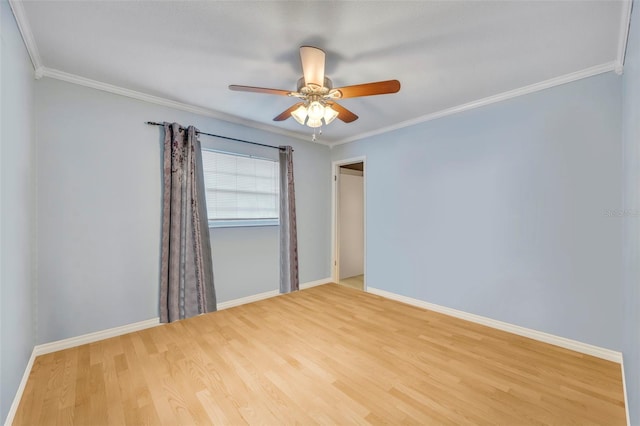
(313, 212)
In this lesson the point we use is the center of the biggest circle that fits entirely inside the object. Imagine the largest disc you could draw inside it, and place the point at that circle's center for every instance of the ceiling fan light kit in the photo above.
(314, 112)
(317, 95)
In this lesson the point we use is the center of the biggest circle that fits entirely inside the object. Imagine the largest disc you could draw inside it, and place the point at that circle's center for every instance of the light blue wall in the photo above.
(259, 274)
(16, 209)
(631, 219)
(99, 211)
(502, 211)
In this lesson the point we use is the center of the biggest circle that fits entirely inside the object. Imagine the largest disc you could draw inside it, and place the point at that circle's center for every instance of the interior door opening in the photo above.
(350, 214)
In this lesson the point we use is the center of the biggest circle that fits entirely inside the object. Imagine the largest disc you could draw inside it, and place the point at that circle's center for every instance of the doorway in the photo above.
(349, 223)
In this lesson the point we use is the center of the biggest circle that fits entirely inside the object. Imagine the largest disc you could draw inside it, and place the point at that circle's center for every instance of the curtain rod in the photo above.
(153, 123)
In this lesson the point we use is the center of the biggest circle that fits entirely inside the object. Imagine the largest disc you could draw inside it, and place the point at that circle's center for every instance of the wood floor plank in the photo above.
(325, 355)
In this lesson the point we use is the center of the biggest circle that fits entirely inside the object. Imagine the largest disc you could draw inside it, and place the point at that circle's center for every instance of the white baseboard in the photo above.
(70, 343)
(266, 295)
(522, 331)
(573, 345)
(16, 400)
(315, 283)
(248, 299)
(94, 337)
(624, 389)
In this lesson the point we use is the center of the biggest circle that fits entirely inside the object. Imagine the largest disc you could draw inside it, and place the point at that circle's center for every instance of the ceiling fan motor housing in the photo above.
(314, 89)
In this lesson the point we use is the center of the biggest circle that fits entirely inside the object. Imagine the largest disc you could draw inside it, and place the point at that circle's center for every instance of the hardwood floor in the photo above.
(328, 355)
(356, 282)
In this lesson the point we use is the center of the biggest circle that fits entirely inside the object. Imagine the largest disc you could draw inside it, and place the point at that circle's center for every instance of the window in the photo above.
(241, 190)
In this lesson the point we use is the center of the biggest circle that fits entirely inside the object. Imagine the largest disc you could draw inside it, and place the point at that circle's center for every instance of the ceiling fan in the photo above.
(317, 95)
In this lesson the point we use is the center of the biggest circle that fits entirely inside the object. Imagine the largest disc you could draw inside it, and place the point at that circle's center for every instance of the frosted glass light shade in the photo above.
(315, 110)
(314, 114)
(300, 114)
(330, 114)
(314, 122)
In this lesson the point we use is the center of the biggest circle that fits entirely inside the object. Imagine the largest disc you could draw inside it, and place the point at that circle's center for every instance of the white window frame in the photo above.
(235, 223)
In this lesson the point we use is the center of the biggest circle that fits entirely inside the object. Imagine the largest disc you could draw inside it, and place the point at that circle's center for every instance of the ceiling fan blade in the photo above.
(312, 60)
(367, 89)
(343, 113)
(287, 113)
(259, 90)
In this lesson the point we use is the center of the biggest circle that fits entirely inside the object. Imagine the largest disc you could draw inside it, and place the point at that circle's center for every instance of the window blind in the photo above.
(240, 187)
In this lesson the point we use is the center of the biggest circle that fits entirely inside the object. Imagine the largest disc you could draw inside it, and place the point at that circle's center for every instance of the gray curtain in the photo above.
(288, 235)
(186, 281)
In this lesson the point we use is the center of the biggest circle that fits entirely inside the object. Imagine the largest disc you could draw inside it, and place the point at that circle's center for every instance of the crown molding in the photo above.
(532, 88)
(42, 71)
(25, 29)
(536, 87)
(94, 84)
(625, 23)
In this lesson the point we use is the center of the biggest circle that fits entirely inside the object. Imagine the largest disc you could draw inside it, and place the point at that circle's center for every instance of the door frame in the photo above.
(335, 228)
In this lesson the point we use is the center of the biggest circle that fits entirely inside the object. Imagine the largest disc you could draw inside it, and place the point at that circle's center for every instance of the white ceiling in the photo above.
(446, 54)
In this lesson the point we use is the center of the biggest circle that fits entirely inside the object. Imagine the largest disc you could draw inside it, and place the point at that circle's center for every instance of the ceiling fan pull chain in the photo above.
(315, 135)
